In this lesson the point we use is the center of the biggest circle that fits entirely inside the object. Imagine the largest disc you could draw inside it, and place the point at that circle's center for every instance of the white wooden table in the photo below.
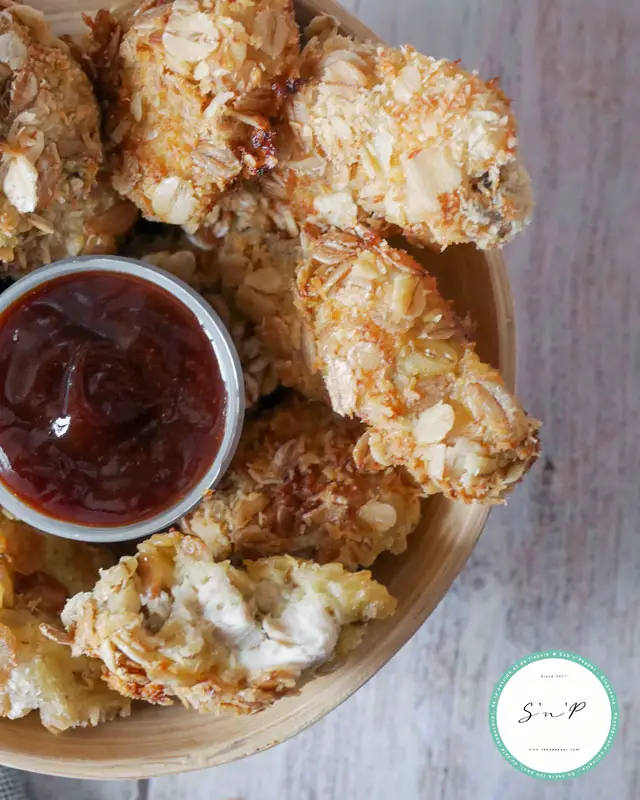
(560, 567)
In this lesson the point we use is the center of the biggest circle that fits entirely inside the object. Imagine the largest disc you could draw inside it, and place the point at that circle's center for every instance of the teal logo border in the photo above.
(493, 710)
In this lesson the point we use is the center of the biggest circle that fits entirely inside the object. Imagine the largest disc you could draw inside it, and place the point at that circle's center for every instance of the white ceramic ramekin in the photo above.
(230, 371)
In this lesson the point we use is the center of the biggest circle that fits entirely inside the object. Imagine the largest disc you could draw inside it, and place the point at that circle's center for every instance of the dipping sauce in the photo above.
(112, 404)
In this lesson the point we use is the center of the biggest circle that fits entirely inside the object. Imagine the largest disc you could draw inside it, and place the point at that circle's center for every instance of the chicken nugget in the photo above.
(171, 622)
(52, 202)
(38, 572)
(199, 83)
(386, 136)
(394, 355)
(254, 246)
(293, 488)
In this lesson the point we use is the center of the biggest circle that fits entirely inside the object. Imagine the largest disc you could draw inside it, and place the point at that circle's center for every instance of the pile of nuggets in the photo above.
(275, 166)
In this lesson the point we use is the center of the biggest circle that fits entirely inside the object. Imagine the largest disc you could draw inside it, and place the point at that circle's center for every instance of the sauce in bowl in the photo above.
(112, 406)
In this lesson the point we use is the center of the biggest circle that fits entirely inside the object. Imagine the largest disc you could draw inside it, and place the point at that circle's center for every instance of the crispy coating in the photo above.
(91, 226)
(394, 355)
(200, 82)
(171, 622)
(381, 135)
(243, 261)
(293, 488)
(37, 574)
(37, 673)
(45, 570)
(51, 203)
(254, 245)
(174, 253)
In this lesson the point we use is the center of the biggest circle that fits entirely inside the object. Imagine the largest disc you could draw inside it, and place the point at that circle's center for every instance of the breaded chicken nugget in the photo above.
(171, 622)
(394, 355)
(46, 570)
(254, 246)
(37, 574)
(51, 203)
(37, 673)
(385, 135)
(91, 226)
(175, 254)
(293, 488)
(199, 83)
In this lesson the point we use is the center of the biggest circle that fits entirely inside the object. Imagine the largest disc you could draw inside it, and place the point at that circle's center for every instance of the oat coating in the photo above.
(172, 622)
(38, 573)
(254, 246)
(174, 253)
(199, 83)
(53, 203)
(386, 136)
(293, 488)
(394, 355)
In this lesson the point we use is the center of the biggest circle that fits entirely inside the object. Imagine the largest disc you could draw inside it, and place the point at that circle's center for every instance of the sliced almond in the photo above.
(429, 174)
(407, 84)
(173, 201)
(267, 280)
(435, 456)
(187, 49)
(344, 67)
(21, 184)
(477, 464)
(434, 424)
(13, 51)
(380, 516)
(201, 71)
(338, 205)
(364, 269)
(404, 288)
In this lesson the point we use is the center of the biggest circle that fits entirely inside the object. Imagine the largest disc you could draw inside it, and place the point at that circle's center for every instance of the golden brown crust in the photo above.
(387, 136)
(53, 203)
(38, 573)
(293, 488)
(392, 313)
(394, 355)
(94, 225)
(198, 85)
(74, 565)
(171, 622)
(254, 249)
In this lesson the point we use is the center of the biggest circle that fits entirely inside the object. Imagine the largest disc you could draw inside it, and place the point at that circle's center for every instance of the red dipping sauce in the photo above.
(112, 406)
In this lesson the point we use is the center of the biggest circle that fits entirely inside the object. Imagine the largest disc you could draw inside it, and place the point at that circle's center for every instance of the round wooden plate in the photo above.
(158, 741)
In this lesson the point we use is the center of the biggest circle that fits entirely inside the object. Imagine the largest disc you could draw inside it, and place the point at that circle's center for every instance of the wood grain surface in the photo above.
(560, 566)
